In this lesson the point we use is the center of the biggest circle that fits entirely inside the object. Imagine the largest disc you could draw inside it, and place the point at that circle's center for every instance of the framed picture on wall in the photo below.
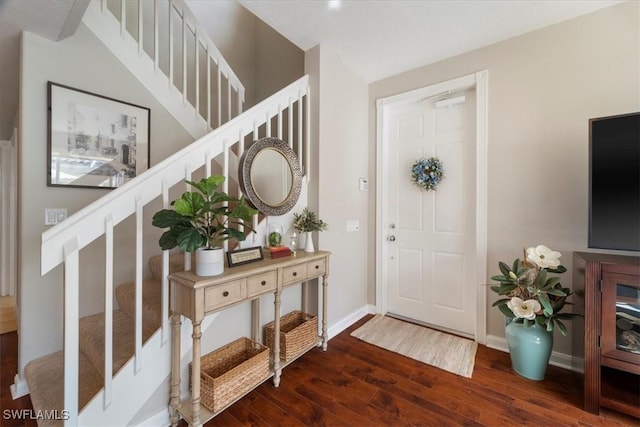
(94, 141)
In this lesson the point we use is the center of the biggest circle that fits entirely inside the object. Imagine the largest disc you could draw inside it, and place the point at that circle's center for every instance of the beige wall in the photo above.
(543, 88)
(81, 62)
(263, 60)
(278, 61)
(339, 126)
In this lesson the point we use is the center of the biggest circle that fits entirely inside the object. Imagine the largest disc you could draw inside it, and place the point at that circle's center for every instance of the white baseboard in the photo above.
(561, 360)
(160, 419)
(19, 387)
(350, 319)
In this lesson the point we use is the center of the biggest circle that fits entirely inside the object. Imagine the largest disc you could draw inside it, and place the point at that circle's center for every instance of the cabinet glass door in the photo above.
(621, 317)
(628, 318)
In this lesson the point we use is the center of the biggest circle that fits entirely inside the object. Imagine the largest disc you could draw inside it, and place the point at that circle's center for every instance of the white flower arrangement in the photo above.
(427, 173)
(534, 297)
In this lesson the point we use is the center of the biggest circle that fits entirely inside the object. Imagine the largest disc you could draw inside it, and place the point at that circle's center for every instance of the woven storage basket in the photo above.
(230, 371)
(298, 331)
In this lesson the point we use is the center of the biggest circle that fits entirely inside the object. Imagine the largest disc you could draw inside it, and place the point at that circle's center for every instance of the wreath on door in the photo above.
(427, 173)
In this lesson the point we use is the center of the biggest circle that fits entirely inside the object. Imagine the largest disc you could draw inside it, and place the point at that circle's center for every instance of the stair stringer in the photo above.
(124, 47)
(156, 357)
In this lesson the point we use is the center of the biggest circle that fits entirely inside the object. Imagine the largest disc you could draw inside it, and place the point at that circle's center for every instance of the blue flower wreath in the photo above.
(427, 173)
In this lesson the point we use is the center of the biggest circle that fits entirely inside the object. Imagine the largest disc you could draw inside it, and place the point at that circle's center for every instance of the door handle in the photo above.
(391, 238)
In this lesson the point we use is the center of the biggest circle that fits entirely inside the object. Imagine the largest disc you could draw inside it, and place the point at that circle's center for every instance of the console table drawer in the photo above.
(225, 294)
(316, 268)
(261, 283)
(294, 274)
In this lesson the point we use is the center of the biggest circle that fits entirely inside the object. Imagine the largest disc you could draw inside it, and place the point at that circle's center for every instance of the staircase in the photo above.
(170, 53)
(45, 375)
(112, 362)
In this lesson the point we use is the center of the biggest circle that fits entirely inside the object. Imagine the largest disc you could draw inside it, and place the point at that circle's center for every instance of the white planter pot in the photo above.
(209, 262)
(308, 244)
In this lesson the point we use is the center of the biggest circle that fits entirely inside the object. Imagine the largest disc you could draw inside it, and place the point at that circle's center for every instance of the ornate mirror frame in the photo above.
(246, 184)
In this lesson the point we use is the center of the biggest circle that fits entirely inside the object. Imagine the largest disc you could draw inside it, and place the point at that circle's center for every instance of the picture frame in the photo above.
(94, 141)
(244, 256)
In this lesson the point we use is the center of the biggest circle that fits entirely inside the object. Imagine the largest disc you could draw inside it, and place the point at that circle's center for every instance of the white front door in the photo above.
(431, 254)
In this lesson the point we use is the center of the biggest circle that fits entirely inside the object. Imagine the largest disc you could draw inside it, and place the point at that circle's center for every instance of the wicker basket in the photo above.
(298, 331)
(230, 371)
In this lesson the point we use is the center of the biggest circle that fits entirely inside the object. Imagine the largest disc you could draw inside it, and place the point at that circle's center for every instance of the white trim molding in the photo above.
(349, 320)
(19, 387)
(561, 360)
(480, 82)
(9, 214)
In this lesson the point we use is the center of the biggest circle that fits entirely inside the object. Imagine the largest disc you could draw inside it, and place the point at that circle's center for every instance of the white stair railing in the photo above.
(190, 76)
(61, 245)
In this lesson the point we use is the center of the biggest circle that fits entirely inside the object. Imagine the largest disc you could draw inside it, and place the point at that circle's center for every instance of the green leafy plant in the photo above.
(533, 295)
(275, 239)
(204, 217)
(308, 221)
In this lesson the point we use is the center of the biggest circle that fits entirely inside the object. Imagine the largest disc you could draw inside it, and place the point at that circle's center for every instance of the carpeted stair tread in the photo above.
(46, 383)
(151, 302)
(92, 339)
(176, 263)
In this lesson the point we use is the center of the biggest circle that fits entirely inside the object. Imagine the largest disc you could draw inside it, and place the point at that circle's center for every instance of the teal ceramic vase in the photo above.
(530, 349)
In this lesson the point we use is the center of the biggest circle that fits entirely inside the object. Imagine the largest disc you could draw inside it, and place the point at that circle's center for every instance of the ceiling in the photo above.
(376, 39)
(381, 38)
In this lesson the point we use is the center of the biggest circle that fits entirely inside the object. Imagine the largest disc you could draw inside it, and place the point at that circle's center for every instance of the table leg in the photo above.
(255, 319)
(195, 376)
(174, 403)
(305, 297)
(276, 339)
(325, 336)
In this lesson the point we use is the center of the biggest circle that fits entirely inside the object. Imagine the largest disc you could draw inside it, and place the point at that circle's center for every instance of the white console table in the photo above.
(195, 297)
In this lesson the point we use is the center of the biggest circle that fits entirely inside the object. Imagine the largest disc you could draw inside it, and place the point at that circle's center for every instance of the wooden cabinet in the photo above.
(195, 297)
(610, 286)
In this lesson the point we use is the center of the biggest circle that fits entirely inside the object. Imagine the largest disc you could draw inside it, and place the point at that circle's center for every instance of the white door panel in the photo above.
(430, 265)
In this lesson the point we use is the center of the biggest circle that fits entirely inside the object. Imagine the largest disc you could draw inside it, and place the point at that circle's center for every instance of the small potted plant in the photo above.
(274, 238)
(202, 220)
(306, 222)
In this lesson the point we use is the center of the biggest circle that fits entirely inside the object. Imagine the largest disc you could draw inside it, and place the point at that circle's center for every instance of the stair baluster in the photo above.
(186, 49)
(61, 244)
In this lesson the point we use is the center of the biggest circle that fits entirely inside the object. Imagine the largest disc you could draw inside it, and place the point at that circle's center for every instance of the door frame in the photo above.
(8, 215)
(480, 82)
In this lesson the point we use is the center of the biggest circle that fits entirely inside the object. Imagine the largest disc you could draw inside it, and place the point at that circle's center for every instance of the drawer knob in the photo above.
(225, 294)
(295, 273)
(317, 267)
(264, 282)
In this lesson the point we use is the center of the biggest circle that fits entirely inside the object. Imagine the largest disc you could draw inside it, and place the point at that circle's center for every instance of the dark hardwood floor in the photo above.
(8, 369)
(357, 384)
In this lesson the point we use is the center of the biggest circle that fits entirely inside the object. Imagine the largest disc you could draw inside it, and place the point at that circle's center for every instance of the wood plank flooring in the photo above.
(7, 315)
(356, 384)
(8, 369)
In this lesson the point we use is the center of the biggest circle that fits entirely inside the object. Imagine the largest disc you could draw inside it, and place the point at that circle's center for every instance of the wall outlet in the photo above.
(53, 216)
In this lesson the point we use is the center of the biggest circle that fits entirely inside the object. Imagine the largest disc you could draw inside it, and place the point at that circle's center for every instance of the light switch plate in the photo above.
(363, 184)
(53, 216)
(353, 225)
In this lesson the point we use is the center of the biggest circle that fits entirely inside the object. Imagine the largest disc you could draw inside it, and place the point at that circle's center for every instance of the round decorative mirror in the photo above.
(270, 176)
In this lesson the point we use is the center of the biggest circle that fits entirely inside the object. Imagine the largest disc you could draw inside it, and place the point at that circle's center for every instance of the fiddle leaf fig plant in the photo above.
(204, 217)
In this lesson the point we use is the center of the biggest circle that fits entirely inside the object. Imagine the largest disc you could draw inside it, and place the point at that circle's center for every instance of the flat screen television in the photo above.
(614, 182)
